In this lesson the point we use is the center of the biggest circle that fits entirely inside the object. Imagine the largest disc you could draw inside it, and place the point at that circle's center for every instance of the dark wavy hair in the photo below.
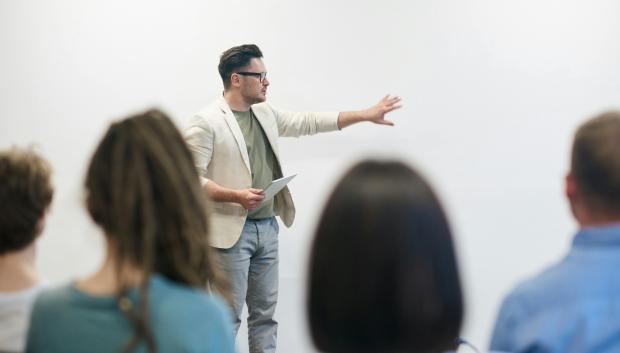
(144, 191)
(383, 273)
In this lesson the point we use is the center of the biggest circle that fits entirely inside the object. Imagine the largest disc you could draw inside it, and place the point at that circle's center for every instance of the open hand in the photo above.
(377, 112)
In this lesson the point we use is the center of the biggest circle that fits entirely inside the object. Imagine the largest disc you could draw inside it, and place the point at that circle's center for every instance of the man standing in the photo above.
(574, 305)
(234, 142)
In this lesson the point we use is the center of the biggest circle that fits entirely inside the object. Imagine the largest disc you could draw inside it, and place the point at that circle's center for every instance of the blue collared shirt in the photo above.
(571, 307)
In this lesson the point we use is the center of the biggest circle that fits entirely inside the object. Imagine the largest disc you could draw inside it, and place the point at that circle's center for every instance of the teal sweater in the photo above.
(183, 319)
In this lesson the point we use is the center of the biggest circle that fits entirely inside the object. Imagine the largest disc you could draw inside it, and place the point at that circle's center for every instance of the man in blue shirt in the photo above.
(574, 305)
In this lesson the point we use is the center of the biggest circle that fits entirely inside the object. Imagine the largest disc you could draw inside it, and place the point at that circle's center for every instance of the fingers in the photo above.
(390, 103)
(385, 122)
(391, 99)
(254, 202)
(392, 107)
(255, 197)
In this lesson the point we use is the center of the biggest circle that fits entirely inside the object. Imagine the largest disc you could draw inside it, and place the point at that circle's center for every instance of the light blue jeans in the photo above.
(252, 269)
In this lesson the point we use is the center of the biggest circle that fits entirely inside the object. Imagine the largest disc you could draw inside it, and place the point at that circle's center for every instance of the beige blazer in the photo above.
(220, 154)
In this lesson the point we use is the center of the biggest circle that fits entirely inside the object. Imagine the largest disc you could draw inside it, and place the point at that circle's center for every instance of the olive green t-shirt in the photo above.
(262, 160)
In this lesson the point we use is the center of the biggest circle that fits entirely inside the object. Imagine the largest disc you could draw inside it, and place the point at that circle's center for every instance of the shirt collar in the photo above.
(598, 236)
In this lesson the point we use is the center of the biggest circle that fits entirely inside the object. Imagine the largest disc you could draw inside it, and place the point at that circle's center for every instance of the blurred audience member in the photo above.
(25, 195)
(144, 192)
(383, 273)
(574, 305)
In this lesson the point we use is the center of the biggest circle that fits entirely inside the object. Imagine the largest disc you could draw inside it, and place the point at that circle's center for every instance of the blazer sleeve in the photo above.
(199, 138)
(293, 124)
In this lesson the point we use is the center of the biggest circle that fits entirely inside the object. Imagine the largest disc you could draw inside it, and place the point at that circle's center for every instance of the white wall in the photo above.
(493, 90)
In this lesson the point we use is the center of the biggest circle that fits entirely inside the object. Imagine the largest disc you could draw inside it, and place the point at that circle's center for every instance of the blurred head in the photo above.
(143, 191)
(383, 274)
(593, 183)
(25, 194)
(243, 71)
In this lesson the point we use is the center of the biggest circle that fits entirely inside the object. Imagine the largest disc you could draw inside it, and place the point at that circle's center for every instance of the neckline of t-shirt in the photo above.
(245, 113)
(26, 292)
(109, 299)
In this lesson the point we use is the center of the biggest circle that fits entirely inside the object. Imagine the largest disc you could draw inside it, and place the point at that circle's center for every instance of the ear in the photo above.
(41, 223)
(234, 80)
(570, 187)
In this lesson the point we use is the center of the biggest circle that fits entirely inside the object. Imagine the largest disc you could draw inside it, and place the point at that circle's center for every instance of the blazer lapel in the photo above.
(230, 119)
(264, 123)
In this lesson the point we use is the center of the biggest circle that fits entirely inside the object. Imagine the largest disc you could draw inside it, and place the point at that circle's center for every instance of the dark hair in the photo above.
(236, 58)
(25, 193)
(383, 273)
(144, 191)
(595, 161)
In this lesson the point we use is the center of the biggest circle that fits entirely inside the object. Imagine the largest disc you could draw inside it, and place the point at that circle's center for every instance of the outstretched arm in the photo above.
(375, 114)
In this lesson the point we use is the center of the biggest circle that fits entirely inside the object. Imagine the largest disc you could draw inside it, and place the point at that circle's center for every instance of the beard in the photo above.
(254, 98)
(258, 99)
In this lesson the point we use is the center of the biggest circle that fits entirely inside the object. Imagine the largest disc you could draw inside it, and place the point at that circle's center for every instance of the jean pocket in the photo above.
(275, 225)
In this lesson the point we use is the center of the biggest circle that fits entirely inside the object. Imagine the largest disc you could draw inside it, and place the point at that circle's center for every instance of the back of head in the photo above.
(25, 193)
(383, 273)
(595, 164)
(143, 190)
(236, 58)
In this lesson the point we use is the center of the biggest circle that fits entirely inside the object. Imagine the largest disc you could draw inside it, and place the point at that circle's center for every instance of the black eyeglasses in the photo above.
(261, 75)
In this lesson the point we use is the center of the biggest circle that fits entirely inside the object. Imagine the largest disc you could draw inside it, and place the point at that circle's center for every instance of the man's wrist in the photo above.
(349, 118)
(235, 196)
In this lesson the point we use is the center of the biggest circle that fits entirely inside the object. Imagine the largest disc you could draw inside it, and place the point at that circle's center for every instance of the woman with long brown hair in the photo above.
(148, 296)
